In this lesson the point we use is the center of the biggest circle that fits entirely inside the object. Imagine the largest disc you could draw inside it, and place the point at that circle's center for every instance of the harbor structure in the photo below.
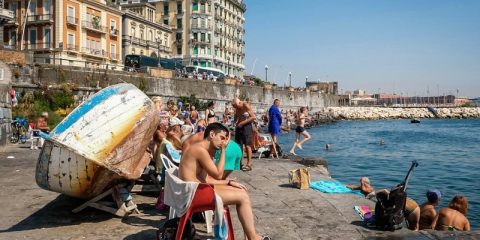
(68, 32)
(207, 33)
(142, 34)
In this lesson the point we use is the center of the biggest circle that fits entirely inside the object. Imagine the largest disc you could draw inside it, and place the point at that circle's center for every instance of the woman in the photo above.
(193, 115)
(226, 114)
(210, 113)
(453, 218)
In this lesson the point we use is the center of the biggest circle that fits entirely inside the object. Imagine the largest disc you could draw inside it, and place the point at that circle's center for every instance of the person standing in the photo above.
(300, 130)
(193, 115)
(274, 124)
(244, 118)
(42, 125)
(210, 113)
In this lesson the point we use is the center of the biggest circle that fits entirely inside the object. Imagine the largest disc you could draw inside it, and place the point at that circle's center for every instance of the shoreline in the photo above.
(377, 113)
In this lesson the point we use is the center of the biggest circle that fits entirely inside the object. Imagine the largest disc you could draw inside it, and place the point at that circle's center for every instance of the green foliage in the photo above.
(192, 100)
(143, 84)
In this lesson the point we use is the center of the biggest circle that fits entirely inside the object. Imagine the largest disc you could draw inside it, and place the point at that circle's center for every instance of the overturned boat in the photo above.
(102, 142)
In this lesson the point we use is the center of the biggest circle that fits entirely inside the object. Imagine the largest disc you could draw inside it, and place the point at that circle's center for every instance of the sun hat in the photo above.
(175, 121)
(434, 195)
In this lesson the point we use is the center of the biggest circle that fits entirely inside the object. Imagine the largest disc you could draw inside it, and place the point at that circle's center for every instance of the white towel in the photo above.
(220, 228)
(178, 193)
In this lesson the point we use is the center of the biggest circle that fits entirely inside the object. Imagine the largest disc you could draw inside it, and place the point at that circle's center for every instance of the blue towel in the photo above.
(329, 186)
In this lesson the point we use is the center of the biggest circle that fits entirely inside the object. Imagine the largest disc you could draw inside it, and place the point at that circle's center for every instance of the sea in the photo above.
(447, 151)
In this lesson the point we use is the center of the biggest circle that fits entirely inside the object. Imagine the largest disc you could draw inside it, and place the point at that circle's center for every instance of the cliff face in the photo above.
(372, 113)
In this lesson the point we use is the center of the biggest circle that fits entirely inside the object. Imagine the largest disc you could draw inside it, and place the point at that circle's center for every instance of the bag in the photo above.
(169, 230)
(300, 178)
(390, 206)
(160, 205)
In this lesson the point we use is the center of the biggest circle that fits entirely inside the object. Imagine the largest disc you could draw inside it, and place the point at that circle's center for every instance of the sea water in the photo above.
(448, 153)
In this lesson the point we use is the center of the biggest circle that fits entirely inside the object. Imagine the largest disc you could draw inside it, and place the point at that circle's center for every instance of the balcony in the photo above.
(72, 21)
(113, 56)
(113, 32)
(94, 26)
(12, 47)
(71, 47)
(92, 52)
(39, 46)
(40, 19)
(6, 15)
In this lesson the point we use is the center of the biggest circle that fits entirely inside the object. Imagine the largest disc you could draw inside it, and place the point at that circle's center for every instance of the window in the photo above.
(179, 8)
(195, 36)
(165, 8)
(113, 25)
(179, 50)
(33, 8)
(165, 21)
(33, 38)
(202, 8)
(71, 15)
(202, 37)
(195, 50)
(179, 23)
(133, 32)
(47, 5)
(195, 6)
(178, 36)
(46, 37)
(112, 51)
(150, 35)
(141, 33)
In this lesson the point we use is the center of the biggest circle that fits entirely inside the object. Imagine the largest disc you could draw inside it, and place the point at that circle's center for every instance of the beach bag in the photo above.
(160, 205)
(300, 178)
(389, 209)
(169, 230)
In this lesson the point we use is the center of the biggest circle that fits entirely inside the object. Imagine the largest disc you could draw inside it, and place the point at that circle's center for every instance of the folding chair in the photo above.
(266, 143)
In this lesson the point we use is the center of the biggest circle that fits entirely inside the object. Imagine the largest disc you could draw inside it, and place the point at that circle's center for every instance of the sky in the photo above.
(409, 47)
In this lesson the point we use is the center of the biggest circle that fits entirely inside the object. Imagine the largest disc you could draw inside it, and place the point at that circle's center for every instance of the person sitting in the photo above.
(364, 187)
(412, 214)
(197, 163)
(453, 218)
(427, 210)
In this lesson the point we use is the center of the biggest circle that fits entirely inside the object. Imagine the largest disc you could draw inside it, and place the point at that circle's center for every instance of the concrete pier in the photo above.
(281, 211)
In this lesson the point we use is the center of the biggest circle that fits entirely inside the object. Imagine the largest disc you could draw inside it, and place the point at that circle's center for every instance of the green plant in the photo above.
(193, 101)
(143, 84)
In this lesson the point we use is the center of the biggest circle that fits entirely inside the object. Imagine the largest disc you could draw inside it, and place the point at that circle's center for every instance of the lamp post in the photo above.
(306, 80)
(266, 73)
(290, 79)
(158, 50)
(228, 65)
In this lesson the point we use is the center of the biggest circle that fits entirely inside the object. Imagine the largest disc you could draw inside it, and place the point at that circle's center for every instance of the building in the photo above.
(207, 33)
(67, 32)
(325, 87)
(6, 15)
(142, 34)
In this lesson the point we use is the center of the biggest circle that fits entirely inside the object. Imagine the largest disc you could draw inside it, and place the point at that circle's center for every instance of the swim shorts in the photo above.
(299, 129)
(244, 135)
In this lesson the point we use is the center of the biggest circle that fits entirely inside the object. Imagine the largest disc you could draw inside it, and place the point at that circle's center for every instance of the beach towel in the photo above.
(364, 212)
(329, 186)
(178, 193)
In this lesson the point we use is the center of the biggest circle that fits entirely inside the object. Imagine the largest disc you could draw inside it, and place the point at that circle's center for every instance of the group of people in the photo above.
(202, 148)
(425, 216)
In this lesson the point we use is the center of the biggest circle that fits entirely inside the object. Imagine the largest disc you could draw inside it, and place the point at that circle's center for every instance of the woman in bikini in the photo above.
(210, 113)
(453, 218)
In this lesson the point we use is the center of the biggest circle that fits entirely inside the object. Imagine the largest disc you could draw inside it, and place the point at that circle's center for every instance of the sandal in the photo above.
(266, 237)
(246, 168)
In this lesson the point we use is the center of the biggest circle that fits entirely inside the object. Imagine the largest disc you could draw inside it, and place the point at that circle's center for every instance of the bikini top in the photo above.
(210, 113)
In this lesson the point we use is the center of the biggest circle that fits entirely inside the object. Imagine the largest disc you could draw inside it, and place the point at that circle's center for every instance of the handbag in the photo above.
(300, 178)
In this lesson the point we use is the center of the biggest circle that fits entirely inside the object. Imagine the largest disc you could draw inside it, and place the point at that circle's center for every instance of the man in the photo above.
(427, 210)
(364, 187)
(274, 123)
(244, 118)
(197, 164)
(41, 125)
(300, 130)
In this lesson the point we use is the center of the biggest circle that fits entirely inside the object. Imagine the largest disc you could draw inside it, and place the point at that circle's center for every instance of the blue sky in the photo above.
(401, 46)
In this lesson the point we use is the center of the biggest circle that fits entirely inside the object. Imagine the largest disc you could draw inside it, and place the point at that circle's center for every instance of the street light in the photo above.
(290, 79)
(266, 73)
(306, 80)
(158, 50)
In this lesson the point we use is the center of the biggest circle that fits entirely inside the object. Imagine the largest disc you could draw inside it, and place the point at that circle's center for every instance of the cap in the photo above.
(175, 121)
(434, 195)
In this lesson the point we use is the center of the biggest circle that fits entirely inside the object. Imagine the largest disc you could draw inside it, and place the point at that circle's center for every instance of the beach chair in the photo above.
(266, 144)
(204, 200)
(167, 164)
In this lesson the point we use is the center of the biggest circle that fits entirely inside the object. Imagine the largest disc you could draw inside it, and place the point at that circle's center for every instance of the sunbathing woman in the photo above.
(453, 218)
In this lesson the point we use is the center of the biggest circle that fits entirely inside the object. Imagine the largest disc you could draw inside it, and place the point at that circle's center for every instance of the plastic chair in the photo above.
(266, 144)
(167, 163)
(203, 200)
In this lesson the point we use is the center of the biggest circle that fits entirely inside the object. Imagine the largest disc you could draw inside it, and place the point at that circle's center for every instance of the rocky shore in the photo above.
(374, 113)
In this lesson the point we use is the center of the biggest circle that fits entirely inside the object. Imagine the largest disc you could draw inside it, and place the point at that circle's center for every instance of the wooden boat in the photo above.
(102, 142)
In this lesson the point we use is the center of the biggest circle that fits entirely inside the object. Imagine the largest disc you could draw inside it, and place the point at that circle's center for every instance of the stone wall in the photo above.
(373, 113)
(5, 104)
(12, 57)
(87, 80)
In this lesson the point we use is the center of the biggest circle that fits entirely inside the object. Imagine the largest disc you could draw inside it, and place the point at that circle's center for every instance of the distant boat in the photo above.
(415, 120)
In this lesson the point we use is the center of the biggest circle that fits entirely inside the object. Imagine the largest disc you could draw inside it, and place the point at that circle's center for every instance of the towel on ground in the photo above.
(329, 186)
(363, 211)
(178, 193)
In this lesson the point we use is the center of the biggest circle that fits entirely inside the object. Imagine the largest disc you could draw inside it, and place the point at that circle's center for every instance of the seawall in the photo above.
(374, 113)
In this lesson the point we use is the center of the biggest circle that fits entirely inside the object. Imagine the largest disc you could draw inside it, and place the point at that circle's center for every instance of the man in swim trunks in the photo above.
(300, 130)
(244, 118)
(427, 210)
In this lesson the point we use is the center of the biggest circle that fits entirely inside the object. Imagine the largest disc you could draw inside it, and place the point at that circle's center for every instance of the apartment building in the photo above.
(67, 32)
(6, 15)
(142, 34)
(207, 33)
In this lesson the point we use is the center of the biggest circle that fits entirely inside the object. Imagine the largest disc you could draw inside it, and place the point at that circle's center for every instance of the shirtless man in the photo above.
(427, 210)
(453, 217)
(244, 118)
(197, 164)
(364, 187)
(300, 130)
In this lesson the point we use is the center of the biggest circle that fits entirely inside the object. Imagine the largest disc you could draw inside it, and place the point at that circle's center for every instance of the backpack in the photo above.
(169, 230)
(389, 209)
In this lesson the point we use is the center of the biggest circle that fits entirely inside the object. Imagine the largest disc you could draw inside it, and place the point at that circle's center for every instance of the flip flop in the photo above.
(246, 168)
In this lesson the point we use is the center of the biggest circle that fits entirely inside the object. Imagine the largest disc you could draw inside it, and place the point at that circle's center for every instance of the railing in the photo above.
(6, 12)
(94, 26)
(114, 32)
(13, 46)
(36, 18)
(93, 51)
(72, 20)
(71, 47)
(39, 45)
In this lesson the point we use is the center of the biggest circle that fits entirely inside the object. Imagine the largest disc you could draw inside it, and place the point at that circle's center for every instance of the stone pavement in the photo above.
(281, 211)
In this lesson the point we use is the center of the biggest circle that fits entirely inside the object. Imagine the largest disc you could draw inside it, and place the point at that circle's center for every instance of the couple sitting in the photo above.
(197, 166)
